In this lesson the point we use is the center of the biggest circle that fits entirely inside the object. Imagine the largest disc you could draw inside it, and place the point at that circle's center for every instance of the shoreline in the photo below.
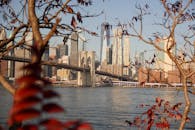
(66, 85)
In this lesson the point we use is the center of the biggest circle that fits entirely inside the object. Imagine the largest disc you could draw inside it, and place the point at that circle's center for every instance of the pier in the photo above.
(149, 85)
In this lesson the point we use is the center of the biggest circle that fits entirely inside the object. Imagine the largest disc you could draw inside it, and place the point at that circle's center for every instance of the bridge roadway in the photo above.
(66, 66)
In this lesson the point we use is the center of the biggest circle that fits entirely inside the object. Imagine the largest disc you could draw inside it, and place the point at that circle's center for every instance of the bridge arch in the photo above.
(87, 59)
(83, 62)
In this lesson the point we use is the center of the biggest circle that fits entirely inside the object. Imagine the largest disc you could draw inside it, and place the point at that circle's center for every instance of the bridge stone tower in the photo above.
(87, 59)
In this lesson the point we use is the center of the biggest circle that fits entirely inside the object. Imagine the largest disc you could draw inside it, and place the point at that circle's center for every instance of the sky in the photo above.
(116, 11)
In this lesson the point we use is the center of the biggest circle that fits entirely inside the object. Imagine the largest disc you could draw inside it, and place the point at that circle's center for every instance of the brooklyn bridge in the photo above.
(82, 69)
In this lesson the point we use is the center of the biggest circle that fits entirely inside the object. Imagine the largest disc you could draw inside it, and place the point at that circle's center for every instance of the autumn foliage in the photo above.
(157, 116)
(35, 102)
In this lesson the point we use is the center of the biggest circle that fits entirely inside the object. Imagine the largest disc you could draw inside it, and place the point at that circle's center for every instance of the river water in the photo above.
(106, 108)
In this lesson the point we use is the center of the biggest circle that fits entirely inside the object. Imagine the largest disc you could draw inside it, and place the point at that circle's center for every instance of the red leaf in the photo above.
(69, 9)
(178, 116)
(159, 101)
(52, 124)
(171, 115)
(71, 124)
(188, 119)
(129, 122)
(79, 17)
(26, 114)
(25, 103)
(162, 125)
(166, 105)
(150, 113)
(25, 92)
(50, 94)
(137, 121)
(176, 106)
(52, 108)
(85, 126)
(150, 123)
(73, 22)
(77, 125)
(94, 34)
(13, 21)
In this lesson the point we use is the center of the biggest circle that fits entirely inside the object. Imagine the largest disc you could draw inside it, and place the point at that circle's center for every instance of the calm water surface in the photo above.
(105, 108)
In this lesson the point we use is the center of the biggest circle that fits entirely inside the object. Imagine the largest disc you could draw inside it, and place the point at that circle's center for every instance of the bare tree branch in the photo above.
(6, 85)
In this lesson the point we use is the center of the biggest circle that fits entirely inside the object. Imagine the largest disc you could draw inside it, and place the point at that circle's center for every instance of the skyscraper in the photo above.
(117, 47)
(126, 50)
(105, 40)
(63, 50)
(163, 61)
(121, 51)
(74, 49)
(121, 48)
(81, 41)
(109, 55)
(74, 53)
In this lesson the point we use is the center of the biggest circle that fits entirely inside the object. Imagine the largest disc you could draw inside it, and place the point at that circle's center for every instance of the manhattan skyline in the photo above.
(115, 12)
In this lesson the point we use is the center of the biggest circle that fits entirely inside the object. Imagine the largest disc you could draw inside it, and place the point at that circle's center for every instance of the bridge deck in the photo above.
(66, 66)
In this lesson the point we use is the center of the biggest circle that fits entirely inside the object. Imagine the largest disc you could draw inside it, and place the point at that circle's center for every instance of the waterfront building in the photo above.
(156, 76)
(143, 75)
(190, 67)
(63, 74)
(174, 76)
(150, 75)
(105, 41)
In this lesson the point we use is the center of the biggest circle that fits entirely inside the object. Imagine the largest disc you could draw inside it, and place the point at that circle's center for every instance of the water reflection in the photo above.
(106, 108)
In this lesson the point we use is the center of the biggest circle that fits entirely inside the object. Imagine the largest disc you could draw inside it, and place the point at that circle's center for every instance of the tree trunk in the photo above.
(187, 103)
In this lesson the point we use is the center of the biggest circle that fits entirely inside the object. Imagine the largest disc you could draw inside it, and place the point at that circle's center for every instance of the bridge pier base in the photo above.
(87, 59)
